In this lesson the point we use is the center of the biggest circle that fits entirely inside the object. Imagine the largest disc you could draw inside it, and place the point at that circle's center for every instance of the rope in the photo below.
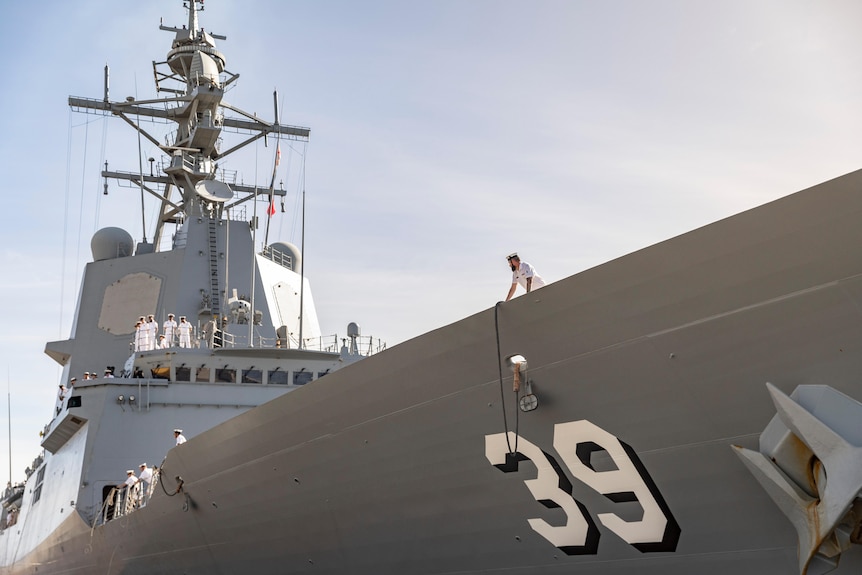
(101, 512)
(179, 487)
(502, 392)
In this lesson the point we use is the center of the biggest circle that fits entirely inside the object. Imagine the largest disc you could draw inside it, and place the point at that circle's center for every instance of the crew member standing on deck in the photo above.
(145, 478)
(524, 274)
(141, 333)
(130, 486)
(178, 434)
(169, 328)
(61, 395)
(153, 330)
(185, 332)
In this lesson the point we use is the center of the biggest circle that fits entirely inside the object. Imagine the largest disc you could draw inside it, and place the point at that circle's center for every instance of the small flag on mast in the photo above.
(271, 209)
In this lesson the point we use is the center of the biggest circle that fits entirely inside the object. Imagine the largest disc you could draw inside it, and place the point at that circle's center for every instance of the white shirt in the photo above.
(153, 327)
(525, 271)
(184, 329)
(181, 439)
(146, 474)
(169, 327)
(130, 481)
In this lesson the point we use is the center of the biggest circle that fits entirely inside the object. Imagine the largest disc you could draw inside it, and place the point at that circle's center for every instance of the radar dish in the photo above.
(213, 190)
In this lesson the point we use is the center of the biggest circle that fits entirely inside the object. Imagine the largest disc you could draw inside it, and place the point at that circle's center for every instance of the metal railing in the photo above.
(122, 501)
(281, 258)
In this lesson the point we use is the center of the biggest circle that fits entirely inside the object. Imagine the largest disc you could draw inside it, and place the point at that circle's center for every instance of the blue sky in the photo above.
(445, 135)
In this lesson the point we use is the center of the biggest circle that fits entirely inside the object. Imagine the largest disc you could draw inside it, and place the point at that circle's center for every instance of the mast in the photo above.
(302, 267)
(191, 82)
(9, 419)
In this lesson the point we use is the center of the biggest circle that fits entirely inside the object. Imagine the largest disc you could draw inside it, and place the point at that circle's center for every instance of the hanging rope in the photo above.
(179, 481)
(502, 391)
(65, 226)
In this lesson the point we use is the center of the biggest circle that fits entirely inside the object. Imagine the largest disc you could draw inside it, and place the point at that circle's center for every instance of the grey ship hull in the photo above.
(381, 467)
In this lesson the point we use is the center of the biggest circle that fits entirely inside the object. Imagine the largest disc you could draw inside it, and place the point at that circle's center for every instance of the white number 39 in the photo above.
(575, 441)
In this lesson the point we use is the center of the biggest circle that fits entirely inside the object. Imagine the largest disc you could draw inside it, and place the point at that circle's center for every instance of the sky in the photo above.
(444, 136)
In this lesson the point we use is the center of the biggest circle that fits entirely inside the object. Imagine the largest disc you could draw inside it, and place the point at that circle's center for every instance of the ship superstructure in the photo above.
(245, 327)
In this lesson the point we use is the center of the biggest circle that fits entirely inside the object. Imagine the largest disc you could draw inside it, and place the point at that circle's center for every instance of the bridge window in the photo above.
(185, 374)
(302, 377)
(252, 376)
(278, 377)
(202, 374)
(161, 372)
(225, 375)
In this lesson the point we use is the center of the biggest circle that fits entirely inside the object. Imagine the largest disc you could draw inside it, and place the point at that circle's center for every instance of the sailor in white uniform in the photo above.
(169, 328)
(130, 486)
(145, 479)
(138, 335)
(185, 332)
(523, 274)
(153, 330)
(178, 433)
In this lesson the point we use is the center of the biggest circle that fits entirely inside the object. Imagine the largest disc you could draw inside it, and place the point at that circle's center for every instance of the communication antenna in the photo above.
(9, 418)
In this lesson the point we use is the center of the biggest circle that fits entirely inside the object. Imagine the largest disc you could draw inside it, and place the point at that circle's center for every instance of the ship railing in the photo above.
(283, 259)
(359, 345)
(227, 339)
(122, 501)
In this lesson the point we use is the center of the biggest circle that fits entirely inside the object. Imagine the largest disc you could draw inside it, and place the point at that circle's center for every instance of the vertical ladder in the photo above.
(215, 298)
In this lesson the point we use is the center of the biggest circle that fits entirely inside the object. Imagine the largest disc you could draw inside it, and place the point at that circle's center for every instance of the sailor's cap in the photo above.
(151, 315)
(142, 317)
(142, 465)
(178, 431)
(162, 336)
(512, 256)
(130, 471)
(182, 317)
(86, 373)
(74, 379)
(109, 371)
(170, 315)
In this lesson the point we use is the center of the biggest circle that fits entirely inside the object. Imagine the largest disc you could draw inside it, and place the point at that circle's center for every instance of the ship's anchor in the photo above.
(827, 512)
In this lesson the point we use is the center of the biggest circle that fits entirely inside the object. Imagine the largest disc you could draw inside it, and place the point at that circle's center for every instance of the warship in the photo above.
(692, 407)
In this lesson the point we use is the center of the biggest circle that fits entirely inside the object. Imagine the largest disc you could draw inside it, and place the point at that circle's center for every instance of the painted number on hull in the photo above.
(576, 441)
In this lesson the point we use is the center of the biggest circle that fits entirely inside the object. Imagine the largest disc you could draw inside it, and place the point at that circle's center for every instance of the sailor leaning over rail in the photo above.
(523, 274)
(129, 490)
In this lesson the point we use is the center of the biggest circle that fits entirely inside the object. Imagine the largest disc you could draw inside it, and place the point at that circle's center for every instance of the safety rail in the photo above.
(124, 500)
(219, 338)
(359, 345)
(281, 258)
